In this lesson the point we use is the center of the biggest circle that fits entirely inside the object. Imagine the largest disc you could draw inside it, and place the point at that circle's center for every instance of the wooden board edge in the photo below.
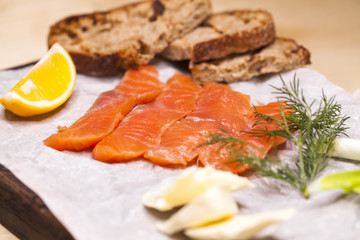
(23, 212)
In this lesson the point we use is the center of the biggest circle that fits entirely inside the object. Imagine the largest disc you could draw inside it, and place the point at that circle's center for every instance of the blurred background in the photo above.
(330, 29)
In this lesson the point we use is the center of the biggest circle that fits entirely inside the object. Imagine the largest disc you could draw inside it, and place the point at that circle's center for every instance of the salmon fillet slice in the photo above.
(259, 146)
(218, 107)
(142, 129)
(137, 86)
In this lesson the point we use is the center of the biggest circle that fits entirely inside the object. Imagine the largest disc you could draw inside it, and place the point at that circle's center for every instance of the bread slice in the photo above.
(222, 34)
(128, 36)
(282, 54)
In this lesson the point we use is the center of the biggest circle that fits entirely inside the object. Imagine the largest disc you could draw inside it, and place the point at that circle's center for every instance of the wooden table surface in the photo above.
(330, 29)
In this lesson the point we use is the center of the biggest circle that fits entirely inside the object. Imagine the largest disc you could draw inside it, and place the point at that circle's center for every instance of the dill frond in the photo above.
(311, 126)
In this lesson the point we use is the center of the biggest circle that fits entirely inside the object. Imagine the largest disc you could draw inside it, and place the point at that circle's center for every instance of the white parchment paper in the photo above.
(95, 200)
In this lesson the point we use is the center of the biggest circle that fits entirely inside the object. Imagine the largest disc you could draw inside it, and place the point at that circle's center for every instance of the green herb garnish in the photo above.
(311, 128)
(348, 181)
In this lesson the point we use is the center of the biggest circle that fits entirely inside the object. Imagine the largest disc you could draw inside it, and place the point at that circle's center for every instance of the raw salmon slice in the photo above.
(142, 129)
(265, 143)
(218, 107)
(259, 146)
(137, 86)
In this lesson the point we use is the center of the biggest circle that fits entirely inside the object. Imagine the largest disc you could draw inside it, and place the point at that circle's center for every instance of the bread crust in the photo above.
(127, 36)
(249, 38)
(283, 54)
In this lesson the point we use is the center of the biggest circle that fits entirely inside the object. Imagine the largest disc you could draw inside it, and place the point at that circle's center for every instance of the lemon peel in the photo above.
(47, 86)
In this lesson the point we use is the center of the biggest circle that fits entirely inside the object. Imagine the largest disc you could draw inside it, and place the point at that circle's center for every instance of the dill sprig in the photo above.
(311, 126)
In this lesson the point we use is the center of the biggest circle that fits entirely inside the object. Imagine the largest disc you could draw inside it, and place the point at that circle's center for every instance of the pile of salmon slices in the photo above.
(143, 118)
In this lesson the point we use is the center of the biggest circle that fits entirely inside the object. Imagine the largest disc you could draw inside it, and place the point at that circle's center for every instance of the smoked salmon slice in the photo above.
(142, 129)
(218, 107)
(137, 86)
(258, 146)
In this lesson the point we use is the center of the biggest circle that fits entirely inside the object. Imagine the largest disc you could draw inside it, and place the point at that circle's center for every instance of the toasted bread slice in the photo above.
(223, 34)
(282, 54)
(127, 36)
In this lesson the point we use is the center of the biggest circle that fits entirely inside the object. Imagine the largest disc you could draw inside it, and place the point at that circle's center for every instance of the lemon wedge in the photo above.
(48, 85)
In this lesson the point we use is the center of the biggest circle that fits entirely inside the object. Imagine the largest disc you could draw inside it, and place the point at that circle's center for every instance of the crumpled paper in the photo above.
(95, 200)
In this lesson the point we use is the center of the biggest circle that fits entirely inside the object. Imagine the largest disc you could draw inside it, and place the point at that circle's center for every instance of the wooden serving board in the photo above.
(24, 213)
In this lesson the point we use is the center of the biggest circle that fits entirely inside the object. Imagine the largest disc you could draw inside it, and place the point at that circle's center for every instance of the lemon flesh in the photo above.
(47, 86)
